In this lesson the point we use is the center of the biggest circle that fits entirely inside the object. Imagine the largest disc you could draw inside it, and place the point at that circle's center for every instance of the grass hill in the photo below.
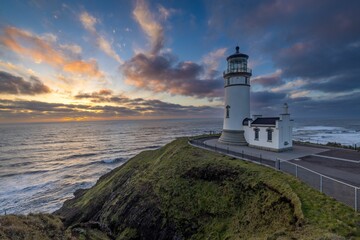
(182, 192)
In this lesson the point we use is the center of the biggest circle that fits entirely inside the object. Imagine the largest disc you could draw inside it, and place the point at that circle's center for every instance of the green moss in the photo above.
(128, 234)
(32, 226)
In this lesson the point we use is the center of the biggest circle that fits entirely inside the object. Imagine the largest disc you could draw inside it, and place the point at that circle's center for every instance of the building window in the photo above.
(227, 111)
(269, 134)
(256, 130)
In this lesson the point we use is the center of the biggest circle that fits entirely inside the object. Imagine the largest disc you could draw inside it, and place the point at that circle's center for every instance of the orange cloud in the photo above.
(42, 51)
(35, 47)
(81, 67)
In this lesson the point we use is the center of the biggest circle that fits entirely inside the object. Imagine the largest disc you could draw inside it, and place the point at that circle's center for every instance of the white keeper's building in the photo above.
(270, 133)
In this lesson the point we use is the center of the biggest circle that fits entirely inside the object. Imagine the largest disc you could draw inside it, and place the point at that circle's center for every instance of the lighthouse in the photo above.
(237, 98)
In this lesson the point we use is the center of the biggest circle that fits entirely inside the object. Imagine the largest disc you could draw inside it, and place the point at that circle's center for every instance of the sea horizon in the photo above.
(333, 118)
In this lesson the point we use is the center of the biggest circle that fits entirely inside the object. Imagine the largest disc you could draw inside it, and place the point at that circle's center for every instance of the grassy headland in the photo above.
(182, 192)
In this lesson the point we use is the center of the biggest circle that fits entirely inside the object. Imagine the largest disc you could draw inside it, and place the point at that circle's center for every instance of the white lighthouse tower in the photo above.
(237, 99)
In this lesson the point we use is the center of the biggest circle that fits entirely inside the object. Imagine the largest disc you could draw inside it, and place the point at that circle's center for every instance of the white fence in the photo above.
(343, 192)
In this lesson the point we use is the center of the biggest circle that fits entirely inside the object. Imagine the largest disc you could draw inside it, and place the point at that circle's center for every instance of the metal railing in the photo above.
(238, 70)
(343, 192)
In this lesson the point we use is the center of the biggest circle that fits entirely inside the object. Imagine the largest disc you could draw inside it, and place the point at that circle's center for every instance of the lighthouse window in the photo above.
(231, 67)
(269, 134)
(227, 111)
(256, 130)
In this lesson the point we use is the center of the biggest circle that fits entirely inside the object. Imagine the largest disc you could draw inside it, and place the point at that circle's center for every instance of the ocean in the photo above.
(42, 164)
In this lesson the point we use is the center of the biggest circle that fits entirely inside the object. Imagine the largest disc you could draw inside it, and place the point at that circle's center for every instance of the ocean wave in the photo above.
(37, 187)
(146, 147)
(83, 165)
(115, 160)
(66, 141)
(115, 151)
(21, 164)
(25, 173)
(319, 128)
(104, 140)
(26, 188)
(346, 138)
(153, 146)
(81, 155)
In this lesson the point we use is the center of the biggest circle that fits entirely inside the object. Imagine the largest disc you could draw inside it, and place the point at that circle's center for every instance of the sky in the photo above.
(143, 59)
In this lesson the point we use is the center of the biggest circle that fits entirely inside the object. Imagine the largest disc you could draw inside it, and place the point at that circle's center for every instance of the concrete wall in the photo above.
(285, 125)
(281, 135)
(262, 142)
(238, 98)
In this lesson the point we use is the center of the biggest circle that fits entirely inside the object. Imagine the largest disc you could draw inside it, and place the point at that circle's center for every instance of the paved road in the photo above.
(343, 154)
(341, 164)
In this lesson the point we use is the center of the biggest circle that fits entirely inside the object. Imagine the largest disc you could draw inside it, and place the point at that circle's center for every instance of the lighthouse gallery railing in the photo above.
(238, 70)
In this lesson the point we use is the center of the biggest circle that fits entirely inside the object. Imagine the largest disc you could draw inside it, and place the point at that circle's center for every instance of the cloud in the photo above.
(347, 82)
(25, 43)
(88, 21)
(104, 45)
(42, 110)
(160, 71)
(307, 40)
(299, 94)
(151, 107)
(260, 100)
(49, 37)
(74, 48)
(103, 95)
(302, 106)
(288, 86)
(10, 84)
(165, 13)
(87, 68)
(339, 107)
(149, 25)
(211, 61)
(269, 80)
(115, 107)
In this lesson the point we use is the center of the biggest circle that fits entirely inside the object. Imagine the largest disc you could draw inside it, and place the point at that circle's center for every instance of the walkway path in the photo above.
(297, 152)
